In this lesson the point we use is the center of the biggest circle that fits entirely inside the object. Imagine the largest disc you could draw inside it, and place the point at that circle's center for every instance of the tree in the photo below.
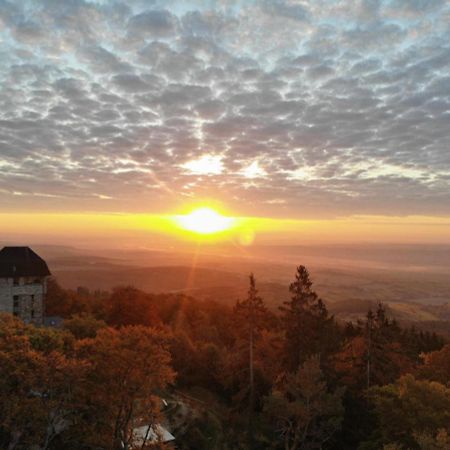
(83, 325)
(386, 358)
(250, 314)
(127, 367)
(410, 408)
(130, 306)
(440, 441)
(303, 411)
(309, 329)
(436, 366)
(375, 356)
(58, 301)
(36, 385)
(65, 303)
(184, 359)
(418, 341)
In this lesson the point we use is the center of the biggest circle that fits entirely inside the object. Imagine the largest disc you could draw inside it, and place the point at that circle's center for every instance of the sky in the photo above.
(302, 110)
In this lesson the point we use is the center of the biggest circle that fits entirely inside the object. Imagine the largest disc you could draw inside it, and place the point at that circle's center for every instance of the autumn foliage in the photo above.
(220, 378)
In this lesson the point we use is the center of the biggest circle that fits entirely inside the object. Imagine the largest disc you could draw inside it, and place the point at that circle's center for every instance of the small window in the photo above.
(32, 313)
(16, 281)
(16, 305)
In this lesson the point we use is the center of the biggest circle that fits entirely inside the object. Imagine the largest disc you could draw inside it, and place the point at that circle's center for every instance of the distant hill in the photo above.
(409, 312)
(151, 279)
(413, 295)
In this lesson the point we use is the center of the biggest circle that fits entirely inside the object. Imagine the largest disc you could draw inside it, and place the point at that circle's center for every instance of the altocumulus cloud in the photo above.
(283, 107)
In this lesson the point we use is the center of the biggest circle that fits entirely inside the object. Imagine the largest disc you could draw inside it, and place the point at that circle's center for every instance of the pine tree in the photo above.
(308, 327)
(250, 314)
(386, 359)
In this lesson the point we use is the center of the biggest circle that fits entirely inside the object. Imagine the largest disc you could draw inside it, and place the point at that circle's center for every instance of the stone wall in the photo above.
(24, 297)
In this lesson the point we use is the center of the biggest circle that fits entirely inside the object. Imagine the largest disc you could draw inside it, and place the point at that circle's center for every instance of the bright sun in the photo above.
(205, 221)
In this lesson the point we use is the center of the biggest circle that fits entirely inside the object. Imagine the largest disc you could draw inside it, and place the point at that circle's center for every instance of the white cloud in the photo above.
(253, 170)
(205, 165)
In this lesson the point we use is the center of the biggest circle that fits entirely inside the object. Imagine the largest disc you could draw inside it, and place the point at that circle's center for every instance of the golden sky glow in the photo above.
(124, 229)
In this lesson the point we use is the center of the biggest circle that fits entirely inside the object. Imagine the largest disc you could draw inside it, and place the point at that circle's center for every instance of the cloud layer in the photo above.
(274, 107)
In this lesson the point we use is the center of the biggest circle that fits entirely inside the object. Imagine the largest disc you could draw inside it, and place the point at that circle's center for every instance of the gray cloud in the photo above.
(312, 109)
(155, 23)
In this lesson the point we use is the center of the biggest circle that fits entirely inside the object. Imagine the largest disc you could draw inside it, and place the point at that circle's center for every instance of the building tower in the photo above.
(23, 284)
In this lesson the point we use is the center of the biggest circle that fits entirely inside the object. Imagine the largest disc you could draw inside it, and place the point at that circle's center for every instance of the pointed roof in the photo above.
(21, 262)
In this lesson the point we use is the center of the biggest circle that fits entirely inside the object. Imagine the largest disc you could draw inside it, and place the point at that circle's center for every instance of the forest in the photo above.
(219, 377)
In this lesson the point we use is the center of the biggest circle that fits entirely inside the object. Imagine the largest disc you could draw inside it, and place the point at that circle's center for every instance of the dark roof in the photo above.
(21, 262)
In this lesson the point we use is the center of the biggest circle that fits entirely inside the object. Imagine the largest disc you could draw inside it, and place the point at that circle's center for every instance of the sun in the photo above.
(204, 221)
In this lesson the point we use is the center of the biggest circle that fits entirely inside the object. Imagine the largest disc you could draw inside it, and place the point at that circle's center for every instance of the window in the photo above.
(16, 305)
(16, 281)
(32, 306)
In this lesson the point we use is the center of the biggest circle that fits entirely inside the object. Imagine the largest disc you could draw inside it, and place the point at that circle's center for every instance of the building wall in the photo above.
(24, 297)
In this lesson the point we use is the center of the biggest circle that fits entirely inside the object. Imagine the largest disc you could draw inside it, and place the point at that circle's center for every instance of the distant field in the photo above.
(349, 280)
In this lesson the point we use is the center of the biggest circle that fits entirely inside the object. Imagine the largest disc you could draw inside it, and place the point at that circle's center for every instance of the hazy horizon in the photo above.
(126, 231)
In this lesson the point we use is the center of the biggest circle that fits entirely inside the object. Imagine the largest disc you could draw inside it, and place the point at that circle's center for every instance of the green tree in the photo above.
(251, 314)
(386, 358)
(308, 327)
(83, 325)
(375, 355)
(302, 410)
(410, 408)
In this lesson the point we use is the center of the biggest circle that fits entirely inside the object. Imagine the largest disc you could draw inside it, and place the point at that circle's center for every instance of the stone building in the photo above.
(23, 284)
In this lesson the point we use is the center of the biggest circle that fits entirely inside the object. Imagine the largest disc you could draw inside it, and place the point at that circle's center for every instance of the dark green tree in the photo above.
(250, 314)
(303, 410)
(408, 411)
(386, 359)
(308, 327)
(83, 325)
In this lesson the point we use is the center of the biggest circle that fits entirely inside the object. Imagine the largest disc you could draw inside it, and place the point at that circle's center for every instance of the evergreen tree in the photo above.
(251, 314)
(385, 358)
(308, 327)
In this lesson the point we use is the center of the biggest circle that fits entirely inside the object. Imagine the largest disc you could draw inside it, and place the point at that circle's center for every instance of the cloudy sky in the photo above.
(280, 108)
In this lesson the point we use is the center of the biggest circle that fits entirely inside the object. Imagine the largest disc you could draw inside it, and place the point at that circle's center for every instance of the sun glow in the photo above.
(205, 221)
